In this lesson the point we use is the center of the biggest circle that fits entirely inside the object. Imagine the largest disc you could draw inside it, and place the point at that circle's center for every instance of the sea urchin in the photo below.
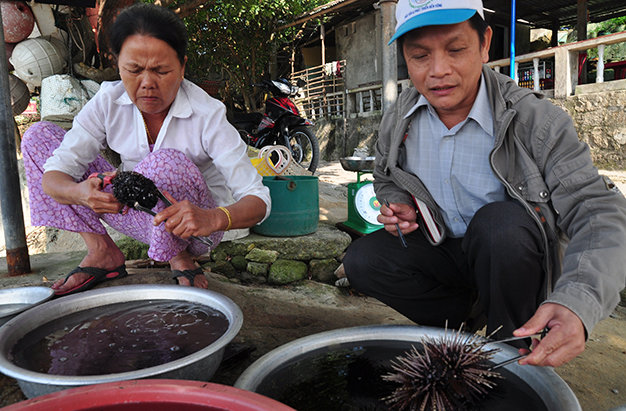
(130, 187)
(451, 372)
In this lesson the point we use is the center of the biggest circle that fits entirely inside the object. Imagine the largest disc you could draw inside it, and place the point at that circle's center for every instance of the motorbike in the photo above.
(281, 124)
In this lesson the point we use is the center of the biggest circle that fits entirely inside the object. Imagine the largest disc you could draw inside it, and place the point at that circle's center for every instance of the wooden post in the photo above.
(389, 54)
(581, 33)
(554, 40)
(323, 39)
(581, 20)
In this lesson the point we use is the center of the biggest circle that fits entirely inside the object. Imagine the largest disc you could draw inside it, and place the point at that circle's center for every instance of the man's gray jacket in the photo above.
(543, 165)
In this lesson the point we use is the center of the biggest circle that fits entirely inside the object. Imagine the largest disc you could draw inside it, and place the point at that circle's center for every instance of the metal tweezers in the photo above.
(204, 240)
(509, 339)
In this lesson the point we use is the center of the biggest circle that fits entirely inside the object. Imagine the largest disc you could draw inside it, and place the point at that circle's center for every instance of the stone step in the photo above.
(281, 260)
(320, 251)
(326, 242)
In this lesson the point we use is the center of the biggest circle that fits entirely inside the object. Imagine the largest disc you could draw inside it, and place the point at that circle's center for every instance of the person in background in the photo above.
(507, 220)
(162, 126)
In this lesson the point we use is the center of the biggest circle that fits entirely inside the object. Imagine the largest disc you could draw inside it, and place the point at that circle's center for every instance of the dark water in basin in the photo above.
(347, 377)
(119, 338)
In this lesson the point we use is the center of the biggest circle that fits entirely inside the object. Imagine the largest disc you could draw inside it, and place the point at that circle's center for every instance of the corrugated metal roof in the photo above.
(539, 13)
(332, 8)
(542, 13)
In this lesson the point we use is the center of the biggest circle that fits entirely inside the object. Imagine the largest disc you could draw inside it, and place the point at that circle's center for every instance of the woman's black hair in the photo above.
(149, 20)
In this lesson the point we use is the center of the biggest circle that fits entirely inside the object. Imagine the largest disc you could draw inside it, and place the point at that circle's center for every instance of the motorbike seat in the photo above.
(247, 118)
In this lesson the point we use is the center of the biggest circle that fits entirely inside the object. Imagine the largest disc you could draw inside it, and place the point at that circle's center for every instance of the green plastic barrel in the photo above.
(295, 206)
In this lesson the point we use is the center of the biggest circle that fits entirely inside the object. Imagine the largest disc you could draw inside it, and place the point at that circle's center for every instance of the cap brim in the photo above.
(433, 18)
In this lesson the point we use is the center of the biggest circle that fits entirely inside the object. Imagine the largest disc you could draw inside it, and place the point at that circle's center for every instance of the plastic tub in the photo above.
(152, 395)
(295, 206)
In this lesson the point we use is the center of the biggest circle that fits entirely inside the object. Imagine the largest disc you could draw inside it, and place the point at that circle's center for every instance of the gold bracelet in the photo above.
(230, 221)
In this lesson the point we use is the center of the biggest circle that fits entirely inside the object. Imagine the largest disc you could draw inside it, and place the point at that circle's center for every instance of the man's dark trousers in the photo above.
(496, 269)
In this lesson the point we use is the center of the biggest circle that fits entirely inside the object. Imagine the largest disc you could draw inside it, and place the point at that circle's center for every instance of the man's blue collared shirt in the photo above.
(453, 163)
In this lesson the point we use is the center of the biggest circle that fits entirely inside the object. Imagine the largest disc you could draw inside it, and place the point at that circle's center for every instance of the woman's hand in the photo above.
(92, 196)
(398, 213)
(62, 188)
(185, 219)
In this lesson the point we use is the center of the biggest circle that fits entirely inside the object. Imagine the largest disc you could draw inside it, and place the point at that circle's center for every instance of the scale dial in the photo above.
(366, 204)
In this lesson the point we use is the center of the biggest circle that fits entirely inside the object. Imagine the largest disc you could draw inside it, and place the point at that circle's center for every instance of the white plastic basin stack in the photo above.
(36, 59)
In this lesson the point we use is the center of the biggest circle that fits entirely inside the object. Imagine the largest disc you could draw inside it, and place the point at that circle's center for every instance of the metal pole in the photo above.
(513, 21)
(18, 261)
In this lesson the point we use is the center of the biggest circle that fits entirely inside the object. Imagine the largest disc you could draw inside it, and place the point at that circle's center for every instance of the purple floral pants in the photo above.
(170, 170)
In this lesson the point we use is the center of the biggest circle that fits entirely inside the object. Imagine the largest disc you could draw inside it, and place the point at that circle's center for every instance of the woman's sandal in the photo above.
(96, 276)
(188, 274)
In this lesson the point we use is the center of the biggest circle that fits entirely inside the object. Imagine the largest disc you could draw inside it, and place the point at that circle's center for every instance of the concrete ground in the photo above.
(276, 315)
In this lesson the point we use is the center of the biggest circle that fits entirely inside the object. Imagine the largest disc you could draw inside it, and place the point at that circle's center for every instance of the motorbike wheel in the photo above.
(304, 147)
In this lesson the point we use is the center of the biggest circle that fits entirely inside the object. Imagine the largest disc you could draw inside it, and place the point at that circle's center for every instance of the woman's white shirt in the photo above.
(195, 125)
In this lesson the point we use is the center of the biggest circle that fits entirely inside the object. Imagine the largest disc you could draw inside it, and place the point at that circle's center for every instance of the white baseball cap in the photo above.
(413, 14)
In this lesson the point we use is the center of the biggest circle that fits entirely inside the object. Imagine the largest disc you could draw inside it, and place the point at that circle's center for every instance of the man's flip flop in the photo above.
(188, 274)
(97, 276)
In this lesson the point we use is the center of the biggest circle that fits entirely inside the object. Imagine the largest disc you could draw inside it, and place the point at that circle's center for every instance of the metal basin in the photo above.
(16, 300)
(200, 365)
(358, 163)
(549, 388)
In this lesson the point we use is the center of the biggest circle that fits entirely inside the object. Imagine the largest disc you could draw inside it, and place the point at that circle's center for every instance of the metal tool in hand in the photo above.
(400, 235)
(203, 240)
(539, 335)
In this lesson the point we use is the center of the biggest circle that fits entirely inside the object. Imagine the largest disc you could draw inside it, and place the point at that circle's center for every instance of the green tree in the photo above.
(237, 37)
(613, 25)
(613, 52)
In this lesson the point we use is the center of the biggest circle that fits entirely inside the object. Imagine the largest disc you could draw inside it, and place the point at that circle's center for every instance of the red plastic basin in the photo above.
(151, 395)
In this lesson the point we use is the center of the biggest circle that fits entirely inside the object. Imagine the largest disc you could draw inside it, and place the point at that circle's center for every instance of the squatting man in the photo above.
(525, 233)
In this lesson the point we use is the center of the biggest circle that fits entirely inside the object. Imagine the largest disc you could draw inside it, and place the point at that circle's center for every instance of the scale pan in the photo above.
(357, 163)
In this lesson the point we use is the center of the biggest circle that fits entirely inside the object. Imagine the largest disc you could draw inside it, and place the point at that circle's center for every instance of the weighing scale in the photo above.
(363, 206)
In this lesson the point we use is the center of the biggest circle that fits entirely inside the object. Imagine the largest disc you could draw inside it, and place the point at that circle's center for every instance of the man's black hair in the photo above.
(480, 25)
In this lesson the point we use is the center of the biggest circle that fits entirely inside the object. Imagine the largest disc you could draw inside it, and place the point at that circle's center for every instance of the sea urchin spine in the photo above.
(451, 372)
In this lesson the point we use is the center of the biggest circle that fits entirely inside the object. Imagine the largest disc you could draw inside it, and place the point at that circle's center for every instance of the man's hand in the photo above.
(402, 214)
(564, 341)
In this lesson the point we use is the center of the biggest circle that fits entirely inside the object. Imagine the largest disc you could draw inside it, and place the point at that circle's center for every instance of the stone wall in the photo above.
(339, 138)
(359, 44)
(600, 119)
